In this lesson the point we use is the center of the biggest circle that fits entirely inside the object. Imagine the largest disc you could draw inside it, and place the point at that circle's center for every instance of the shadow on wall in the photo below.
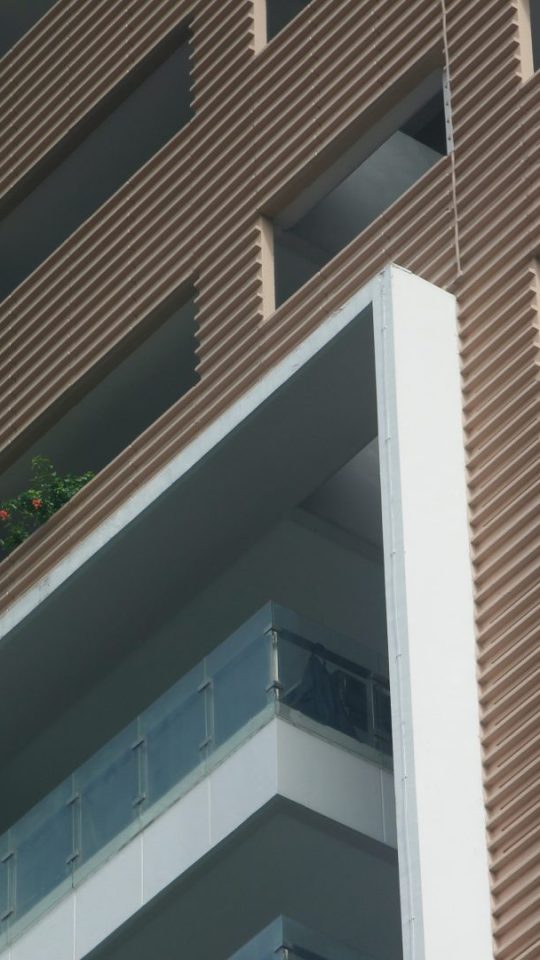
(141, 387)
(142, 114)
(17, 17)
(320, 222)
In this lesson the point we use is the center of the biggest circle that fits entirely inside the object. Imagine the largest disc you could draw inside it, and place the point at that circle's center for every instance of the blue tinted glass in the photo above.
(4, 884)
(381, 709)
(43, 844)
(108, 787)
(174, 729)
(293, 660)
(352, 693)
(240, 680)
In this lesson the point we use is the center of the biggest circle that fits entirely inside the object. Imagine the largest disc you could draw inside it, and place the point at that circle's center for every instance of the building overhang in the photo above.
(240, 476)
(287, 433)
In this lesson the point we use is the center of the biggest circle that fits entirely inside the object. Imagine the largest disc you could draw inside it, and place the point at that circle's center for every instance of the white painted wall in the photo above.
(444, 876)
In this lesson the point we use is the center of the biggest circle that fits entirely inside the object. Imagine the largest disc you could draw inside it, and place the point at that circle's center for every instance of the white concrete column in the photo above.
(440, 811)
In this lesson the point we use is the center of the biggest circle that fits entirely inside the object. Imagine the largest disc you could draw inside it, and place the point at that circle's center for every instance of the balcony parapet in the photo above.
(276, 665)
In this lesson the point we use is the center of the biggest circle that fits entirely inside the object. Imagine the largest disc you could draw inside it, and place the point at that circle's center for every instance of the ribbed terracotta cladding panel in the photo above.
(495, 116)
(192, 216)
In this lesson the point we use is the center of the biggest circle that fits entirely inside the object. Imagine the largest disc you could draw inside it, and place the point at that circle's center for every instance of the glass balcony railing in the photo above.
(284, 939)
(274, 664)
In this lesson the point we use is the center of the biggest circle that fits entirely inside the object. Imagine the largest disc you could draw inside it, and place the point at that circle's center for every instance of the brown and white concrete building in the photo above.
(270, 683)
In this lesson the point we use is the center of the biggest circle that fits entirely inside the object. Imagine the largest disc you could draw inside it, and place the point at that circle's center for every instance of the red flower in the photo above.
(4, 514)
(37, 504)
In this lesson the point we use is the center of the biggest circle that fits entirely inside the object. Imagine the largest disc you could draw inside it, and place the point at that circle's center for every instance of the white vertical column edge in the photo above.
(396, 605)
(442, 846)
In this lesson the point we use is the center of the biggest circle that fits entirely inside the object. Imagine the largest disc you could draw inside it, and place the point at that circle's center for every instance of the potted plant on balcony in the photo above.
(48, 491)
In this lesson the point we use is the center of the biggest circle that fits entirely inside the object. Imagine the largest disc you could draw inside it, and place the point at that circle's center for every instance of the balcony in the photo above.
(278, 805)
(276, 665)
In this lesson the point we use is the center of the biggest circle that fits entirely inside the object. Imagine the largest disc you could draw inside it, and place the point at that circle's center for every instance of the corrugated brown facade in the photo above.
(192, 215)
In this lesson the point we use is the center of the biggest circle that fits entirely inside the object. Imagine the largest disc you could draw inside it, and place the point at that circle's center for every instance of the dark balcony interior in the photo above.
(360, 185)
(134, 387)
(17, 17)
(132, 123)
(280, 12)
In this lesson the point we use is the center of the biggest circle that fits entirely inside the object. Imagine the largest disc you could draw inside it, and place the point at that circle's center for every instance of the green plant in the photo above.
(21, 515)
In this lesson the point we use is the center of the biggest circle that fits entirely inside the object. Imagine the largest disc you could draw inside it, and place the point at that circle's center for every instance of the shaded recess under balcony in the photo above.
(126, 393)
(17, 17)
(358, 185)
(105, 149)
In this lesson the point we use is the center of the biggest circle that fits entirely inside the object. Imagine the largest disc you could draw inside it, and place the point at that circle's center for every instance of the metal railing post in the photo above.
(206, 688)
(139, 747)
(274, 686)
(74, 804)
(9, 860)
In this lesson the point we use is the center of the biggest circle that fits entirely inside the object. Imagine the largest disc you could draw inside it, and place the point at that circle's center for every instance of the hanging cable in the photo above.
(450, 135)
